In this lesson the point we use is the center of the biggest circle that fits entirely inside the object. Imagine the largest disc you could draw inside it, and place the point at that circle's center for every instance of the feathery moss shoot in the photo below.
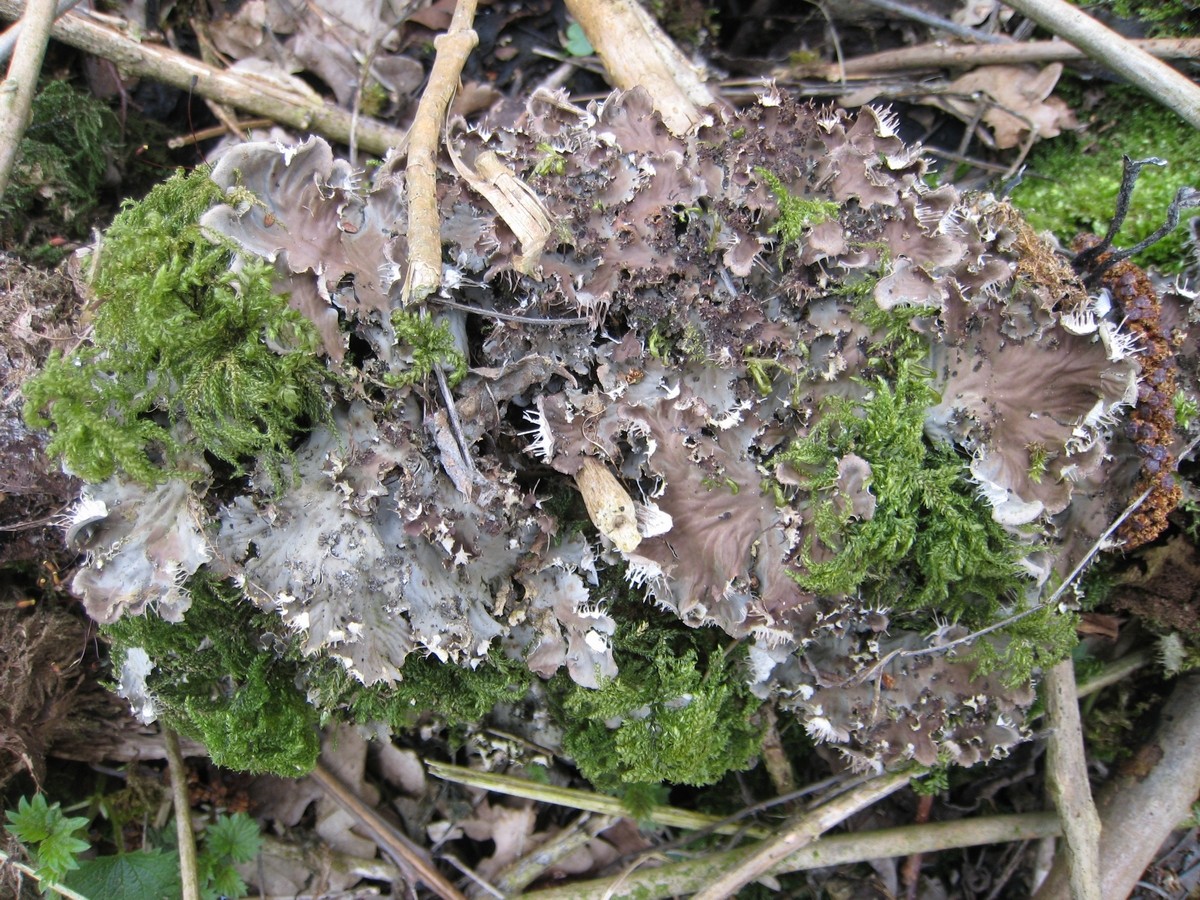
(180, 340)
(795, 213)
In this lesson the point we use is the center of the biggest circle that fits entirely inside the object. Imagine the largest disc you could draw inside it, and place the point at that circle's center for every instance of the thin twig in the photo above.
(800, 833)
(282, 103)
(46, 883)
(919, 15)
(522, 872)
(16, 93)
(185, 837)
(1110, 49)
(1067, 781)
(424, 138)
(8, 40)
(686, 877)
(941, 55)
(406, 854)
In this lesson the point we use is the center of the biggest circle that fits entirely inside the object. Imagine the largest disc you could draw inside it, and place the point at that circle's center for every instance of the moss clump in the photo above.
(1073, 180)
(676, 712)
(212, 682)
(61, 163)
(179, 339)
(795, 213)
(1165, 18)
(432, 345)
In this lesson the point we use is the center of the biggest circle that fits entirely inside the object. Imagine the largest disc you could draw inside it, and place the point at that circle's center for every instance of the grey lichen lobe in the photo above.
(709, 350)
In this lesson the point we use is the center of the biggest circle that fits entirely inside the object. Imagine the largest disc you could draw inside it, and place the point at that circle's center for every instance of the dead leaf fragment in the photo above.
(1016, 98)
(609, 505)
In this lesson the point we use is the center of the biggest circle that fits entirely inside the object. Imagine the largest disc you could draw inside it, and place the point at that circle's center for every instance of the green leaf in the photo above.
(48, 834)
(136, 875)
(233, 837)
(577, 43)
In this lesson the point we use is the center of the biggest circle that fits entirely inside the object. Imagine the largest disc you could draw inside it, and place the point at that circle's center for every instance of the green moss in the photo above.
(1072, 183)
(1165, 18)
(213, 683)
(431, 344)
(931, 548)
(61, 164)
(684, 715)
(456, 695)
(795, 213)
(179, 339)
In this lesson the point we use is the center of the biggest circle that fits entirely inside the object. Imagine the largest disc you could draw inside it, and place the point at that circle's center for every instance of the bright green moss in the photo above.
(212, 682)
(1165, 18)
(431, 343)
(795, 213)
(681, 719)
(179, 340)
(1072, 181)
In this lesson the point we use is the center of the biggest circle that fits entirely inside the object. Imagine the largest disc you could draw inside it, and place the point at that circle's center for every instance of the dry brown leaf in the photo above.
(1015, 99)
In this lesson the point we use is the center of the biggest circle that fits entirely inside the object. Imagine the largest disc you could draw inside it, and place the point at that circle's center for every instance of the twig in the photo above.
(1110, 49)
(404, 852)
(801, 832)
(46, 883)
(8, 40)
(16, 93)
(1067, 782)
(523, 872)
(919, 15)
(637, 53)
(842, 849)
(576, 799)
(910, 871)
(942, 55)
(280, 102)
(1139, 810)
(186, 838)
(424, 138)
(1115, 671)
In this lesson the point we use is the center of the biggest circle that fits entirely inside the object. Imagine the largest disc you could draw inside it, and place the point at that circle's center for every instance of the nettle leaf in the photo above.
(235, 837)
(48, 834)
(136, 875)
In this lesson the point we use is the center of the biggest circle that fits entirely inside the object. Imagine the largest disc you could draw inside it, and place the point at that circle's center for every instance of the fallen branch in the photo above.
(285, 103)
(407, 855)
(424, 138)
(802, 832)
(185, 837)
(1110, 49)
(637, 53)
(1139, 810)
(941, 55)
(1067, 782)
(585, 801)
(842, 849)
(16, 93)
(524, 871)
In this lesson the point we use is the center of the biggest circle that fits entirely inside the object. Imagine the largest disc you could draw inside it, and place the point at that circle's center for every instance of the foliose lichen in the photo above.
(843, 442)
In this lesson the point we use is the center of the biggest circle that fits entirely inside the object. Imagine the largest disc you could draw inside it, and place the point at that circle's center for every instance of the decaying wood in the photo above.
(1067, 783)
(682, 878)
(424, 225)
(801, 832)
(283, 102)
(16, 93)
(1143, 804)
(637, 52)
(943, 55)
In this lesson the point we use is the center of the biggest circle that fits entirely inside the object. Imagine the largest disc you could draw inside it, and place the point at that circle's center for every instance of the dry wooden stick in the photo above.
(16, 93)
(637, 52)
(1110, 49)
(1139, 809)
(524, 871)
(802, 832)
(424, 138)
(685, 877)
(186, 838)
(404, 852)
(280, 102)
(941, 55)
(1067, 782)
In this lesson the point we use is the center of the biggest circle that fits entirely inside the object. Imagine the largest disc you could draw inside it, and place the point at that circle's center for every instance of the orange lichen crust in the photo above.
(1152, 423)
